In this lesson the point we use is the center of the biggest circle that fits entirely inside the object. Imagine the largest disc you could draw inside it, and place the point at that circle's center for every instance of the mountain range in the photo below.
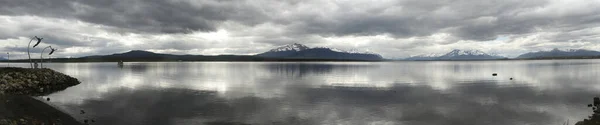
(2, 58)
(457, 55)
(557, 53)
(299, 51)
(292, 52)
(479, 55)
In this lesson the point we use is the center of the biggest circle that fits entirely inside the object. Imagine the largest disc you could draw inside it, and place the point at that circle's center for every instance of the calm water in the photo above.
(359, 93)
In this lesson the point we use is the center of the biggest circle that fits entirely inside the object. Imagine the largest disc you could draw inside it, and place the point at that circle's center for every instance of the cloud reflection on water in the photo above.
(414, 93)
(475, 104)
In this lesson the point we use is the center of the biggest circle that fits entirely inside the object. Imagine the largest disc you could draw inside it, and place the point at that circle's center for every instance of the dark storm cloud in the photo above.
(178, 45)
(16, 49)
(411, 25)
(463, 18)
(154, 16)
(468, 19)
(58, 41)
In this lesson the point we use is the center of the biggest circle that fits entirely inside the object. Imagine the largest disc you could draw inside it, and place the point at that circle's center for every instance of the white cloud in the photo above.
(391, 28)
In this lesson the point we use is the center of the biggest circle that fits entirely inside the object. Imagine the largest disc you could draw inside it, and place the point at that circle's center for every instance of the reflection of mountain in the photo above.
(477, 103)
(138, 68)
(303, 69)
(294, 69)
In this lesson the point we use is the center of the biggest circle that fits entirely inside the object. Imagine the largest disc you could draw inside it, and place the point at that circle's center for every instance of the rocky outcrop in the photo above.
(25, 110)
(35, 82)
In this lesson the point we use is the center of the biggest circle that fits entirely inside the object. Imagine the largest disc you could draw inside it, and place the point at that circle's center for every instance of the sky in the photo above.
(392, 28)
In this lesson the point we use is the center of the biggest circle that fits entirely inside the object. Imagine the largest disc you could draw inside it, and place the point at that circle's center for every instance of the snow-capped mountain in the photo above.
(458, 52)
(291, 47)
(557, 53)
(432, 56)
(457, 55)
(355, 51)
(301, 51)
(468, 55)
(283, 51)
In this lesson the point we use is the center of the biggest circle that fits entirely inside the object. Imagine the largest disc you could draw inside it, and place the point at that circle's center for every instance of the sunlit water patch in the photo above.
(403, 93)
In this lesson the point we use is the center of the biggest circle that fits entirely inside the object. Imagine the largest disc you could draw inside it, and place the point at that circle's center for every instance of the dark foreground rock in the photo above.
(17, 107)
(593, 119)
(34, 82)
(25, 110)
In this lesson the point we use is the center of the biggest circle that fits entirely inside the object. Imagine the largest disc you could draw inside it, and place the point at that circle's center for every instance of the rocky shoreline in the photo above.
(17, 106)
(33, 82)
(26, 110)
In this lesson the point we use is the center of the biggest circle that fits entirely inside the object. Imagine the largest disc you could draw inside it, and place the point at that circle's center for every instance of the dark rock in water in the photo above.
(511, 78)
(34, 82)
(494, 74)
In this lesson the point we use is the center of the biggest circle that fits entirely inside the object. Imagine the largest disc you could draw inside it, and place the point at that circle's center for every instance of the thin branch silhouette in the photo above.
(39, 40)
(42, 55)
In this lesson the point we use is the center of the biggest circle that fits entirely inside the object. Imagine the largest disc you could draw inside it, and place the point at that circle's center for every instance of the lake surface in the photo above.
(352, 93)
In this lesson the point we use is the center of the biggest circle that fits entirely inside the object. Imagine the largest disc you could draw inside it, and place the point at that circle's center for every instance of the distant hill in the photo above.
(139, 55)
(2, 58)
(135, 54)
(457, 55)
(299, 51)
(556, 53)
(146, 56)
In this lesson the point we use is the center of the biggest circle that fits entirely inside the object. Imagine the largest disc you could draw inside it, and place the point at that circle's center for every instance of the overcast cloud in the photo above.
(392, 28)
